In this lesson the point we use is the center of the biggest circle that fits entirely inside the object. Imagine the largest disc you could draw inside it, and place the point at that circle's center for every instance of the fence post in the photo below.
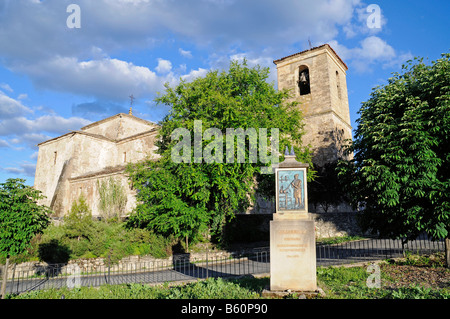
(5, 278)
(207, 249)
(447, 250)
(109, 268)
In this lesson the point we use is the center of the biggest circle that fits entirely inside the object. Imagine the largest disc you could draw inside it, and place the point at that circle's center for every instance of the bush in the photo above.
(98, 239)
(78, 222)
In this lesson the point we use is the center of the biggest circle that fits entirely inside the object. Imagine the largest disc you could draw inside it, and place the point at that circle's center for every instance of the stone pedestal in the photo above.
(292, 255)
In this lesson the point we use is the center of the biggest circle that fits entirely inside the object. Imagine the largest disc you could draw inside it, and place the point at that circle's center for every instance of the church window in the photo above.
(55, 157)
(303, 80)
(124, 157)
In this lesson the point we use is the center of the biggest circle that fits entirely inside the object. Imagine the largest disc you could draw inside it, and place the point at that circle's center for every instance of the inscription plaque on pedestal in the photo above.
(292, 255)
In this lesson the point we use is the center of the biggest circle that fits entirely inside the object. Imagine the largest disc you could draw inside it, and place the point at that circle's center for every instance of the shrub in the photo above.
(113, 198)
(78, 222)
(96, 239)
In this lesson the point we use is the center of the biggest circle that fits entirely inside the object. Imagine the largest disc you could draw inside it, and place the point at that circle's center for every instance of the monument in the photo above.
(292, 234)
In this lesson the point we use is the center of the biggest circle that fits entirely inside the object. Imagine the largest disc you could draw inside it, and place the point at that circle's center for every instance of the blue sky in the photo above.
(54, 79)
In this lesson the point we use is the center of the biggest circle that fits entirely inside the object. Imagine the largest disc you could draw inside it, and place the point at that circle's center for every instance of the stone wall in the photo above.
(336, 224)
(256, 227)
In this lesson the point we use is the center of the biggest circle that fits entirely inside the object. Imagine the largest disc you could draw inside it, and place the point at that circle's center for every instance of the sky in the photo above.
(67, 63)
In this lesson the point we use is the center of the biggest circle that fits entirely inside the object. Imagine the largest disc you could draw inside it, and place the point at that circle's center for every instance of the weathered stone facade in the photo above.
(75, 163)
(324, 103)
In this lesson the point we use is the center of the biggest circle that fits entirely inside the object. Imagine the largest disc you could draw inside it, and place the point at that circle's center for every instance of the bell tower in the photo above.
(317, 79)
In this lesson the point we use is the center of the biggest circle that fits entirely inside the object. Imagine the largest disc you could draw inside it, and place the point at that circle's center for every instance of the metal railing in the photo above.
(182, 268)
(374, 249)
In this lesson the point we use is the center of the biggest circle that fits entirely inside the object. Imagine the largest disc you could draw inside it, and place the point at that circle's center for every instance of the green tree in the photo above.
(78, 222)
(400, 174)
(190, 197)
(326, 190)
(21, 218)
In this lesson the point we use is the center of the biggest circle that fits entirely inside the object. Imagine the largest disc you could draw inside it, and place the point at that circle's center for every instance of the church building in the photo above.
(316, 79)
(75, 163)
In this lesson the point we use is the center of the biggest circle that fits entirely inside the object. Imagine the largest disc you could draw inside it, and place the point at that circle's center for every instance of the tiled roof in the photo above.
(312, 49)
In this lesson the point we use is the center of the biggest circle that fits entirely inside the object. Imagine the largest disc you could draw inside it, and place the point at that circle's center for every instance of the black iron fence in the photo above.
(181, 268)
(374, 249)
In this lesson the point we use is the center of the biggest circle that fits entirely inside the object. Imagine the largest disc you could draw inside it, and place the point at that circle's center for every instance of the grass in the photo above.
(354, 282)
(212, 288)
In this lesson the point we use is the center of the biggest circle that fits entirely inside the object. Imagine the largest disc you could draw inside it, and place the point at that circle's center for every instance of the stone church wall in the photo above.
(73, 164)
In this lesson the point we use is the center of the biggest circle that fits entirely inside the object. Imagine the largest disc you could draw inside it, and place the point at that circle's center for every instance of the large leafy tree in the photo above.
(21, 218)
(189, 197)
(400, 174)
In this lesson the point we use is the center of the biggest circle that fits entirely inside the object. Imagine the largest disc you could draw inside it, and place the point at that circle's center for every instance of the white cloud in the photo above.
(80, 61)
(186, 54)
(27, 169)
(48, 123)
(182, 68)
(30, 132)
(194, 74)
(4, 144)
(6, 87)
(254, 59)
(109, 25)
(10, 107)
(372, 50)
(164, 66)
(106, 78)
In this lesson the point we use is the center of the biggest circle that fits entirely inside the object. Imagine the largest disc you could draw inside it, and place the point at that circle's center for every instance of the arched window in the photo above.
(303, 80)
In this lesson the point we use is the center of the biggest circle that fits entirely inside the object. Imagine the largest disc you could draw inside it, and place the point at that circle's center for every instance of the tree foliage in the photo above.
(400, 174)
(325, 191)
(21, 217)
(188, 198)
(78, 222)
